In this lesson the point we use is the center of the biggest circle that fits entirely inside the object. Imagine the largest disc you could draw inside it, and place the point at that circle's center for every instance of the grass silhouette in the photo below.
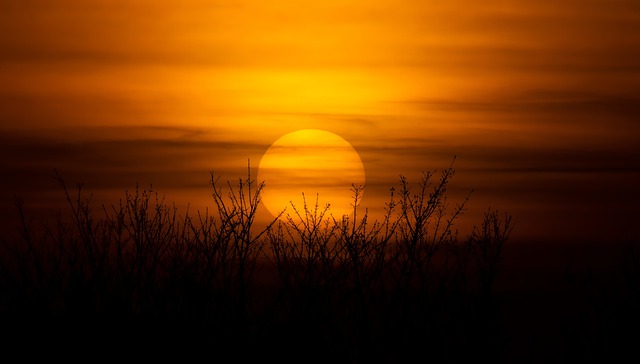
(140, 276)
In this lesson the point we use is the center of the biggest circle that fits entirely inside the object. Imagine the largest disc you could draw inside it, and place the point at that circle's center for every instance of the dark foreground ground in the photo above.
(552, 303)
(570, 302)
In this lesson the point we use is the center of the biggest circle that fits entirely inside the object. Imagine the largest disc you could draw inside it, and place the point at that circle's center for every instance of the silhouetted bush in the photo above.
(138, 274)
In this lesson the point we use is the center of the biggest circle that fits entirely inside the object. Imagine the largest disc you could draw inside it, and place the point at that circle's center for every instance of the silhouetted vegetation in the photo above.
(138, 275)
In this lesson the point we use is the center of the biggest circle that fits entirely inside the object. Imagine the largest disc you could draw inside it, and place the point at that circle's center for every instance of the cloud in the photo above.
(114, 157)
(544, 102)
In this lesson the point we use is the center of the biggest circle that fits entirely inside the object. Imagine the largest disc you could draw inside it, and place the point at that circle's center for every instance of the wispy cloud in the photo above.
(114, 157)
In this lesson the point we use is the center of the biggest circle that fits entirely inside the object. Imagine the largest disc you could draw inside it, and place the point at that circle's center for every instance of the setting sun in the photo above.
(312, 162)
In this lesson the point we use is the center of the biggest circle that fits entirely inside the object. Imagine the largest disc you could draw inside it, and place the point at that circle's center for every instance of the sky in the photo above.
(539, 101)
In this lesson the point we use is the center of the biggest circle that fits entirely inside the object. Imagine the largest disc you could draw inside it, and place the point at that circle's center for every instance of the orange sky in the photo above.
(538, 99)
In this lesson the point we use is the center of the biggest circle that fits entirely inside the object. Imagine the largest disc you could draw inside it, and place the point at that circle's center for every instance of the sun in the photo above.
(314, 163)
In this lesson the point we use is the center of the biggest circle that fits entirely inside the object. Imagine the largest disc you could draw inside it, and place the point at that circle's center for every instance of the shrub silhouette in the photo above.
(348, 289)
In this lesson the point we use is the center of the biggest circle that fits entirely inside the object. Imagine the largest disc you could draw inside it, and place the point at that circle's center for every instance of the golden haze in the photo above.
(538, 99)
